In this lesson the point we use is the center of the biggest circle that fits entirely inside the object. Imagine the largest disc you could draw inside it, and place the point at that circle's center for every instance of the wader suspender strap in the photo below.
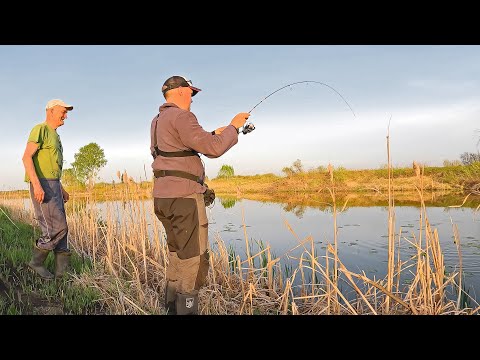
(177, 173)
(157, 151)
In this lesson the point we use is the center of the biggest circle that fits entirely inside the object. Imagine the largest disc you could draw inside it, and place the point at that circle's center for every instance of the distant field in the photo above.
(457, 179)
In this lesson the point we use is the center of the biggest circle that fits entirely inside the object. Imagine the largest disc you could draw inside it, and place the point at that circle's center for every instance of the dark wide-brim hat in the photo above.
(176, 82)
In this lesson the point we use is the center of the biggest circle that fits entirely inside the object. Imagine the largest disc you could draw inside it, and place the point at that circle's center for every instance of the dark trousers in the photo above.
(51, 216)
(186, 225)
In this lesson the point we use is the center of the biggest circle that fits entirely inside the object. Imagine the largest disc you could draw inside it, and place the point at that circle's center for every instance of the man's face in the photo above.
(191, 97)
(187, 92)
(58, 115)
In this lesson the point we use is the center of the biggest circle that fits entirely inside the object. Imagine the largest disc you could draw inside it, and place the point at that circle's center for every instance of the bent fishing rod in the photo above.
(249, 127)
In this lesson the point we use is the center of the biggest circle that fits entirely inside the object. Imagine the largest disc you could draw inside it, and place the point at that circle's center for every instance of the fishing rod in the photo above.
(249, 127)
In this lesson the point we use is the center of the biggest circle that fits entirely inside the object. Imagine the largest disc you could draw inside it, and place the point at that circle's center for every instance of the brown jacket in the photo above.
(179, 130)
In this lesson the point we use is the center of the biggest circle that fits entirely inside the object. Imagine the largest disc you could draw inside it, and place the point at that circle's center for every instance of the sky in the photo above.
(426, 97)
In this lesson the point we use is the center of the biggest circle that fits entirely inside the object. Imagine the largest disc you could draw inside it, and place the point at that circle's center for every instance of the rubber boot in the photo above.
(62, 262)
(36, 264)
(187, 304)
(170, 297)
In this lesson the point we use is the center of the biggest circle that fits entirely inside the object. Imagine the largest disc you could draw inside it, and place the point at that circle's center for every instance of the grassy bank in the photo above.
(459, 179)
(22, 292)
(447, 179)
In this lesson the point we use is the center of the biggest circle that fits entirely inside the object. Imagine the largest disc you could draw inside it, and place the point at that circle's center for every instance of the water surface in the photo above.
(362, 235)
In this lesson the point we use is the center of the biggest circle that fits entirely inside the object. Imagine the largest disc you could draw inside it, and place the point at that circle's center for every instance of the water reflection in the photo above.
(362, 233)
(297, 203)
(298, 210)
(228, 202)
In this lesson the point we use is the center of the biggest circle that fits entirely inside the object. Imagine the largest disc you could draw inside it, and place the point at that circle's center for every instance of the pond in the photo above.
(362, 235)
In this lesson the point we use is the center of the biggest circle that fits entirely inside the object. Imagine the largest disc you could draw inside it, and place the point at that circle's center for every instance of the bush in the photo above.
(296, 168)
(447, 163)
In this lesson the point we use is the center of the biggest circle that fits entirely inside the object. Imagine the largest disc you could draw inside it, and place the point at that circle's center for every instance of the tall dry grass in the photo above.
(128, 248)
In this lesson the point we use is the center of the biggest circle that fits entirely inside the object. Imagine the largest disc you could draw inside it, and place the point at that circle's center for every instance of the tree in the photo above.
(298, 166)
(226, 171)
(88, 162)
(469, 158)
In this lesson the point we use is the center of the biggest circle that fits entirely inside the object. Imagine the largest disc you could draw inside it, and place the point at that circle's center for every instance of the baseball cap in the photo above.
(178, 81)
(59, 102)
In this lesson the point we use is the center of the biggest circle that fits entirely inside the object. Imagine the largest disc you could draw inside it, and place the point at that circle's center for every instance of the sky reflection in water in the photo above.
(362, 233)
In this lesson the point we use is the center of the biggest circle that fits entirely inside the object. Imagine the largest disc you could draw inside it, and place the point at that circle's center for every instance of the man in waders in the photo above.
(177, 139)
(43, 161)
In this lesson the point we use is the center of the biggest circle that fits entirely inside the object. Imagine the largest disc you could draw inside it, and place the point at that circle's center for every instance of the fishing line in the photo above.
(300, 82)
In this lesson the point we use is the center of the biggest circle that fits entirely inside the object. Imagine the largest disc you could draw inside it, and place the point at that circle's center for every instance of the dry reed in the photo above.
(127, 246)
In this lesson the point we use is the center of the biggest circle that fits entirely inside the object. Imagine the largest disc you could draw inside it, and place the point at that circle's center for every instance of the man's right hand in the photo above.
(38, 193)
(239, 120)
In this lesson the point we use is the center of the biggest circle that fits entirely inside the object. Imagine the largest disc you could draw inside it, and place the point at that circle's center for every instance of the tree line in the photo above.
(90, 159)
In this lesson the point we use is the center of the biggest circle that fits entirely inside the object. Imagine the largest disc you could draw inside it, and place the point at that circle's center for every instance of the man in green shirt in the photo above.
(43, 161)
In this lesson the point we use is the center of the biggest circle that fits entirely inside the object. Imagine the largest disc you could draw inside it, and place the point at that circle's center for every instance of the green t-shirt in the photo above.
(48, 159)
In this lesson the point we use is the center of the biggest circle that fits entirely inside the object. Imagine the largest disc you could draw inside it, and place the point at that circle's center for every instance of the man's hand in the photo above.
(239, 120)
(219, 130)
(38, 193)
(65, 195)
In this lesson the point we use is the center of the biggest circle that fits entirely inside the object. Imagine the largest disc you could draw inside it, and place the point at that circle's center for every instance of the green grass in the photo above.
(25, 292)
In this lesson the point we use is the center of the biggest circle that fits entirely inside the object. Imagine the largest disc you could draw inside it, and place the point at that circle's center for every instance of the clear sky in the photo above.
(430, 93)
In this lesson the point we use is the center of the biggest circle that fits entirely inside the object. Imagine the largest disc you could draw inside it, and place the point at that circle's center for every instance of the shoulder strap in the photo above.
(154, 138)
(156, 151)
